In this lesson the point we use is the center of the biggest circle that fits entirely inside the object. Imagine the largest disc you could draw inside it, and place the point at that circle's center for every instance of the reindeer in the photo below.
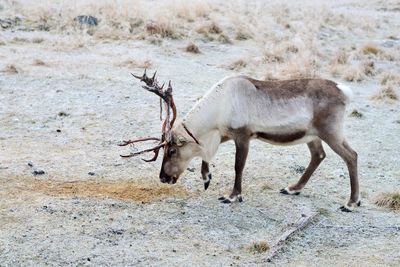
(239, 108)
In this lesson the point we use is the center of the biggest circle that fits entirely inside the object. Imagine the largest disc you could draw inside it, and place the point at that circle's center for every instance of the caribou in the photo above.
(240, 108)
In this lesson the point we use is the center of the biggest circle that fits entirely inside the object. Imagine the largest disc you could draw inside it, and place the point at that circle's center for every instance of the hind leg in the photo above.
(317, 156)
(342, 148)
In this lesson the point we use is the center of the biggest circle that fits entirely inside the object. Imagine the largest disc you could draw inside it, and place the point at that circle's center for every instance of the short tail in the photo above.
(346, 91)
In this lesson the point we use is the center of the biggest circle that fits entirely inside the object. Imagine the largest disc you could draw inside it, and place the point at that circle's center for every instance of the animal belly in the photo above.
(284, 139)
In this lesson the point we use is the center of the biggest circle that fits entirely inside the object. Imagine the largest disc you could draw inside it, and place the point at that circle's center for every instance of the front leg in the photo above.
(205, 173)
(242, 149)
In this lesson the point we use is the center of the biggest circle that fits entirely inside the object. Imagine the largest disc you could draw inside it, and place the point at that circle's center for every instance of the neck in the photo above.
(202, 124)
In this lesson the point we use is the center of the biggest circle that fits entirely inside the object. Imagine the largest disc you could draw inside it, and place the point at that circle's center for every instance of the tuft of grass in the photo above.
(386, 92)
(136, 63)
(354, 74)
(237, 64)
(258, 247)
(356, 114)
(161, 27)
(389, 200)
(39, 62)
(340, 57)
(37, 40)
(192, 48)
(243, 34)
(223, 38)
(209, 28)
(11, 69)
(369, 49)
(389, 77)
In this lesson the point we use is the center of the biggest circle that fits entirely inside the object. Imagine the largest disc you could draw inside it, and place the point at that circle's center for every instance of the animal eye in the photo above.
(172, 151)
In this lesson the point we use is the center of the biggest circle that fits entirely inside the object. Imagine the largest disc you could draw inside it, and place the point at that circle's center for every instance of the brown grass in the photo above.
(125, 190)
(386, 92)
(237, 64)
(192, 48)
(390, 78)
(161, 27)
(369, 49)
(136, 63)
(258, 247)
(39, 62)
(209, 28)
(389, 200)
(11, 69)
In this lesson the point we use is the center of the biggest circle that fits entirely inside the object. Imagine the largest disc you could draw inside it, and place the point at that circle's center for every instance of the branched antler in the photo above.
(165, 95)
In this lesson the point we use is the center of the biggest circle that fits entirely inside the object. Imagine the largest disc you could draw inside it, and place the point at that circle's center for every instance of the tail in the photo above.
(346, 91)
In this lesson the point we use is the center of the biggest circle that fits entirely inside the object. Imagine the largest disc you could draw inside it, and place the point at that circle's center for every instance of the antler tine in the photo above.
(154, 149)
(124, 143)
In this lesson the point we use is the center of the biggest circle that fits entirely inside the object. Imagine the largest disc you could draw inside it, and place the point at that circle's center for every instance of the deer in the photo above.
(240, 108)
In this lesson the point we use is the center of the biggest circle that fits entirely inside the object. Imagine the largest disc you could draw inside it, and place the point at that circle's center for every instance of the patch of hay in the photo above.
(11, 69)
(209, 28)
(370, 49)
(386, 92)
(237, 64)
(258, 247)
(136, 63)
(389, 200)
(39, 62)
(125, 190)
(192, 48)
(356, 114)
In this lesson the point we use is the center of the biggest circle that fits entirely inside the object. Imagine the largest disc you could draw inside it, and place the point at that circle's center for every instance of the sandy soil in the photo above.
(67, 116)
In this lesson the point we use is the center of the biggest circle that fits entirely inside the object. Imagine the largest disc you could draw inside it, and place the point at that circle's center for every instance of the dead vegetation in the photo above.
(192, 48)
(125, 190)
(389, 200)
(11, 69)
(258, 247)
(136, 63)
(39, 62)
(386, 93)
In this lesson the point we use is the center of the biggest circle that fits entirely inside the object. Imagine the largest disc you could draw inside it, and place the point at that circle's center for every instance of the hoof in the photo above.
(287, 191)
(228, 200)
(345, 209)
(207, 182)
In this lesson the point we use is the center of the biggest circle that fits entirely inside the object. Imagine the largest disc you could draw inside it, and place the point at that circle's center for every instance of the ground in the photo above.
(68, 102)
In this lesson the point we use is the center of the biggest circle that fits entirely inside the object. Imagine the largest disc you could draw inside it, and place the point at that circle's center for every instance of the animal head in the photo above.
(179, 144)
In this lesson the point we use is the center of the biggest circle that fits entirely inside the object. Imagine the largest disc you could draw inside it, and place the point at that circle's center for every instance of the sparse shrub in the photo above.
(237, 64)
(340, 57)
(39, 62)
(11, 69)
(389, 77)
(368, 67)
(258, 247)
(353, 74)
(222, 38)
(243, 34)
(370, 48)
(192, 48)
(161, 27)
(136, 63)
(356, 114)
(300, 67)
(37, 40)
(389, 200)
(209, 28)
(386, 92)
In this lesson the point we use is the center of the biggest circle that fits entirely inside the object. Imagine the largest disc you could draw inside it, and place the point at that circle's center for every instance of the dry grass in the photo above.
(162, 27)
(356, 114)
(237, 64)
(386, 92)
(39, 62)
(300, 67)
(125, 190)
(258, 247)
(209, 28)
(341, 57)
(369, 49)
(389, 200)
(389, 78)
(136, 63)
(11, 69)
(192, 48)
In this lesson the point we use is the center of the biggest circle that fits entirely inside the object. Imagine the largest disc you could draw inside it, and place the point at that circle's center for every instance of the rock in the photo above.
(38, 172)
(91, 173)
(298, 169)
(191, 169)
(9, 23)
(88, 20)
(30, 164)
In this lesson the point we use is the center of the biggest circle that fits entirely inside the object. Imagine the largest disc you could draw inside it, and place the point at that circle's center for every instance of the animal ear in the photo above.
(180, 141)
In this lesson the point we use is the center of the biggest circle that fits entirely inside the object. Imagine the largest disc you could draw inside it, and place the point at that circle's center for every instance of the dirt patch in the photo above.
(125, 190)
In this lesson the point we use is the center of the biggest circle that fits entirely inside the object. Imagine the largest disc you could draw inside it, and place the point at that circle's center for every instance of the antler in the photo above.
(165, 95)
